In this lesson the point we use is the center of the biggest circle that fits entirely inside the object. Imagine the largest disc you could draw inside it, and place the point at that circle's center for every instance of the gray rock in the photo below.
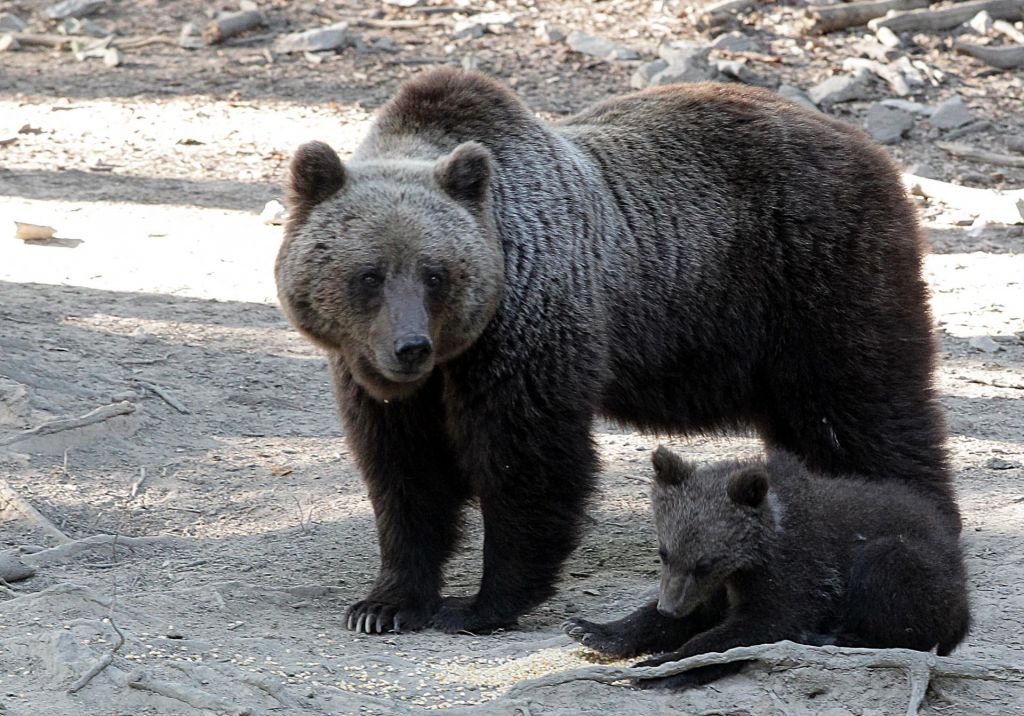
(887, 125)
(11, 23)
(645, 73)
(922, 110)
(841, 88)
(383, 44)
(739, 71)
(951, 114)
(73, 8)
(548, 32)
(331, 37)
(922, 169)
(600, 47)
(985, 344)
(795, 94)
(998, 463)
(735, 42)
(466, 30)
(687, 62)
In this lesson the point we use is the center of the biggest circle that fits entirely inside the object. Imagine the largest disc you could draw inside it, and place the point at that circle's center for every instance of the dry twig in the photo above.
(1005, 58)
(105, 412)
(981, 155)
(948, 17)
(829, 18)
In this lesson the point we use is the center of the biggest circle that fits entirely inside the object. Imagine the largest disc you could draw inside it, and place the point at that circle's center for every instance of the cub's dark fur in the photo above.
(693, 258)
(756, 552)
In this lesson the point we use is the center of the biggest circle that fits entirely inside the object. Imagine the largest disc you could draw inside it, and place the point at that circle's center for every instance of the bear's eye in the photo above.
(434, 280)
(371, 279)
(662, 553)
(703, 567)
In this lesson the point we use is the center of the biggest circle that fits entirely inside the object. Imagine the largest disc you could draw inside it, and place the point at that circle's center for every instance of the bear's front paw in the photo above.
(462, 614)
(371, 616)
(598, 637)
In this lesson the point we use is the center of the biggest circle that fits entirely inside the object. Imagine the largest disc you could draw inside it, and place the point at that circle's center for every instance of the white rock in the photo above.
(985, 344)
(981, 23)
(331, 37)
(841, 88)
(274, 213)
(8, 43)
(888, 38)
(549, 33)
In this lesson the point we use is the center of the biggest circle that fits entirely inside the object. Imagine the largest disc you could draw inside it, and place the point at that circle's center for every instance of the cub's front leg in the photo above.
(417, 494)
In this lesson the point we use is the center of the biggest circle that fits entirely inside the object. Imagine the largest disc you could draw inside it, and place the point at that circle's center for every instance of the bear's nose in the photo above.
(411, 350)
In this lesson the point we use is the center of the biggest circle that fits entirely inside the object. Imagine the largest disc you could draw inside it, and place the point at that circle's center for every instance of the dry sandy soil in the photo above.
(158, 292)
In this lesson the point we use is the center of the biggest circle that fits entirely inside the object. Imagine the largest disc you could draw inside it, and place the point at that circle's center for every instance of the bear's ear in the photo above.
(316, 174)
(748, 487)
(669, 468)
(465, 174)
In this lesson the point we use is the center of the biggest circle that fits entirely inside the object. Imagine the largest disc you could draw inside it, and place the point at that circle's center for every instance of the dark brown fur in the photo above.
(691, 259)
(756, 552)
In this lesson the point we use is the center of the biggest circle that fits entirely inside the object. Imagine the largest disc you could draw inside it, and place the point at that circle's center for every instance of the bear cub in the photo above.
(755, 552)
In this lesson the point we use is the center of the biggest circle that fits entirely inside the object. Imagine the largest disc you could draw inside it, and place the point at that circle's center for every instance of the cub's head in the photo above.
(712, 523)
(395, 264)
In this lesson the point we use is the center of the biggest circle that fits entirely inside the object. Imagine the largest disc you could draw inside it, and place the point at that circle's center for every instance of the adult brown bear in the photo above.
(692, 258)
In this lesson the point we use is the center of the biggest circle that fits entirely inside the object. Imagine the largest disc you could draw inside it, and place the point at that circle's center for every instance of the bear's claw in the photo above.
(374, 617)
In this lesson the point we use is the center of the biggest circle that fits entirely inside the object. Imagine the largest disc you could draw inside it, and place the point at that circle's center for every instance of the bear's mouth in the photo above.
(385, 383)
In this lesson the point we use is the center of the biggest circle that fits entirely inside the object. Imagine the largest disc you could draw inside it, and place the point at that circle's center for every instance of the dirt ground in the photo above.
(157, 296)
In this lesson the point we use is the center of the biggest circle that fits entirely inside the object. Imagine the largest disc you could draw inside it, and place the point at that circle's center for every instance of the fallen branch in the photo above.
(981, 155)
(45, 40)
(11, 500)
(196, 698)
(921, 666)
(948, 17)
(231, 24)
(66, 551)
(164, 395)
(1005, 58)
(829, 18)
(105, 412)
(1001, 207)
(104, 661)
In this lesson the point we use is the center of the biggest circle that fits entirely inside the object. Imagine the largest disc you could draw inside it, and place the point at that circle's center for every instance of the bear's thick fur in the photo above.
(692, 258)
(757, 552)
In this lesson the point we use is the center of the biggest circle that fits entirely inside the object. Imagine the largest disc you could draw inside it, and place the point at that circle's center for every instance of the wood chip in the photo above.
(33, 232)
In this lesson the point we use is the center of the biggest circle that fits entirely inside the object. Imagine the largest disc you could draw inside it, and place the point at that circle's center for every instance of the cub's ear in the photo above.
(748, 487)
(316, 174)
(669, 468)
(465, 174)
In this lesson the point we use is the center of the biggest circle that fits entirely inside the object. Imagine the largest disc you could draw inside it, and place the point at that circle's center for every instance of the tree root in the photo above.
(105, 412)
(196, 698)
(11, 500)
(921, 667)
(104, 661)
(66, 551)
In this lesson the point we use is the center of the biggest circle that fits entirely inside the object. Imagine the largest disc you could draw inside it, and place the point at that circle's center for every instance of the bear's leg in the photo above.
(645, 631)
(533, 475)
(906, 593)
(738, 631)
(417, 496)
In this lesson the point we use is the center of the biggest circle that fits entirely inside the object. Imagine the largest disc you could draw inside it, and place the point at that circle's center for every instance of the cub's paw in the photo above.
(599, 638)
(371, 616)
(462, 614)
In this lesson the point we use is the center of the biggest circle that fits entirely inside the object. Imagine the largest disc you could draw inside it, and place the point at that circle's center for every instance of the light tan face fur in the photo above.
(391, 260)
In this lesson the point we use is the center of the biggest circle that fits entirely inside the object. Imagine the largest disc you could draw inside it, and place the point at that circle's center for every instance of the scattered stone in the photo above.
(229, 24)
(978, 227)
(998, 463)
(922, 110)
(274, 213)
(645, 73)
(404, 3)
(383, 44)
(887, 125)
(985, 344)
(841, 88)
(112, 57)
(734, 42)
(888, 38)
(33, 232)
(951, 114)
(332, 37)
(8, 43)
(795, 94)
(74, 26)
(600, 47)
(981, 23)
(923, 169)
(11, 23)
(466, 30)
(488, 19)
(548, 32)
(190, 36)
(1015, 144)
(73, 8)
(739, 71)
(687, 62)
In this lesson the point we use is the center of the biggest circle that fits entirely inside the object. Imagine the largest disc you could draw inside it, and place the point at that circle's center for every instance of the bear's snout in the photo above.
(413, 350)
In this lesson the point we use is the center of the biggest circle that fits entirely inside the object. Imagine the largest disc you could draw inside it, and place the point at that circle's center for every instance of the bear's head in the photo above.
(713, 523)
(393, 263)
